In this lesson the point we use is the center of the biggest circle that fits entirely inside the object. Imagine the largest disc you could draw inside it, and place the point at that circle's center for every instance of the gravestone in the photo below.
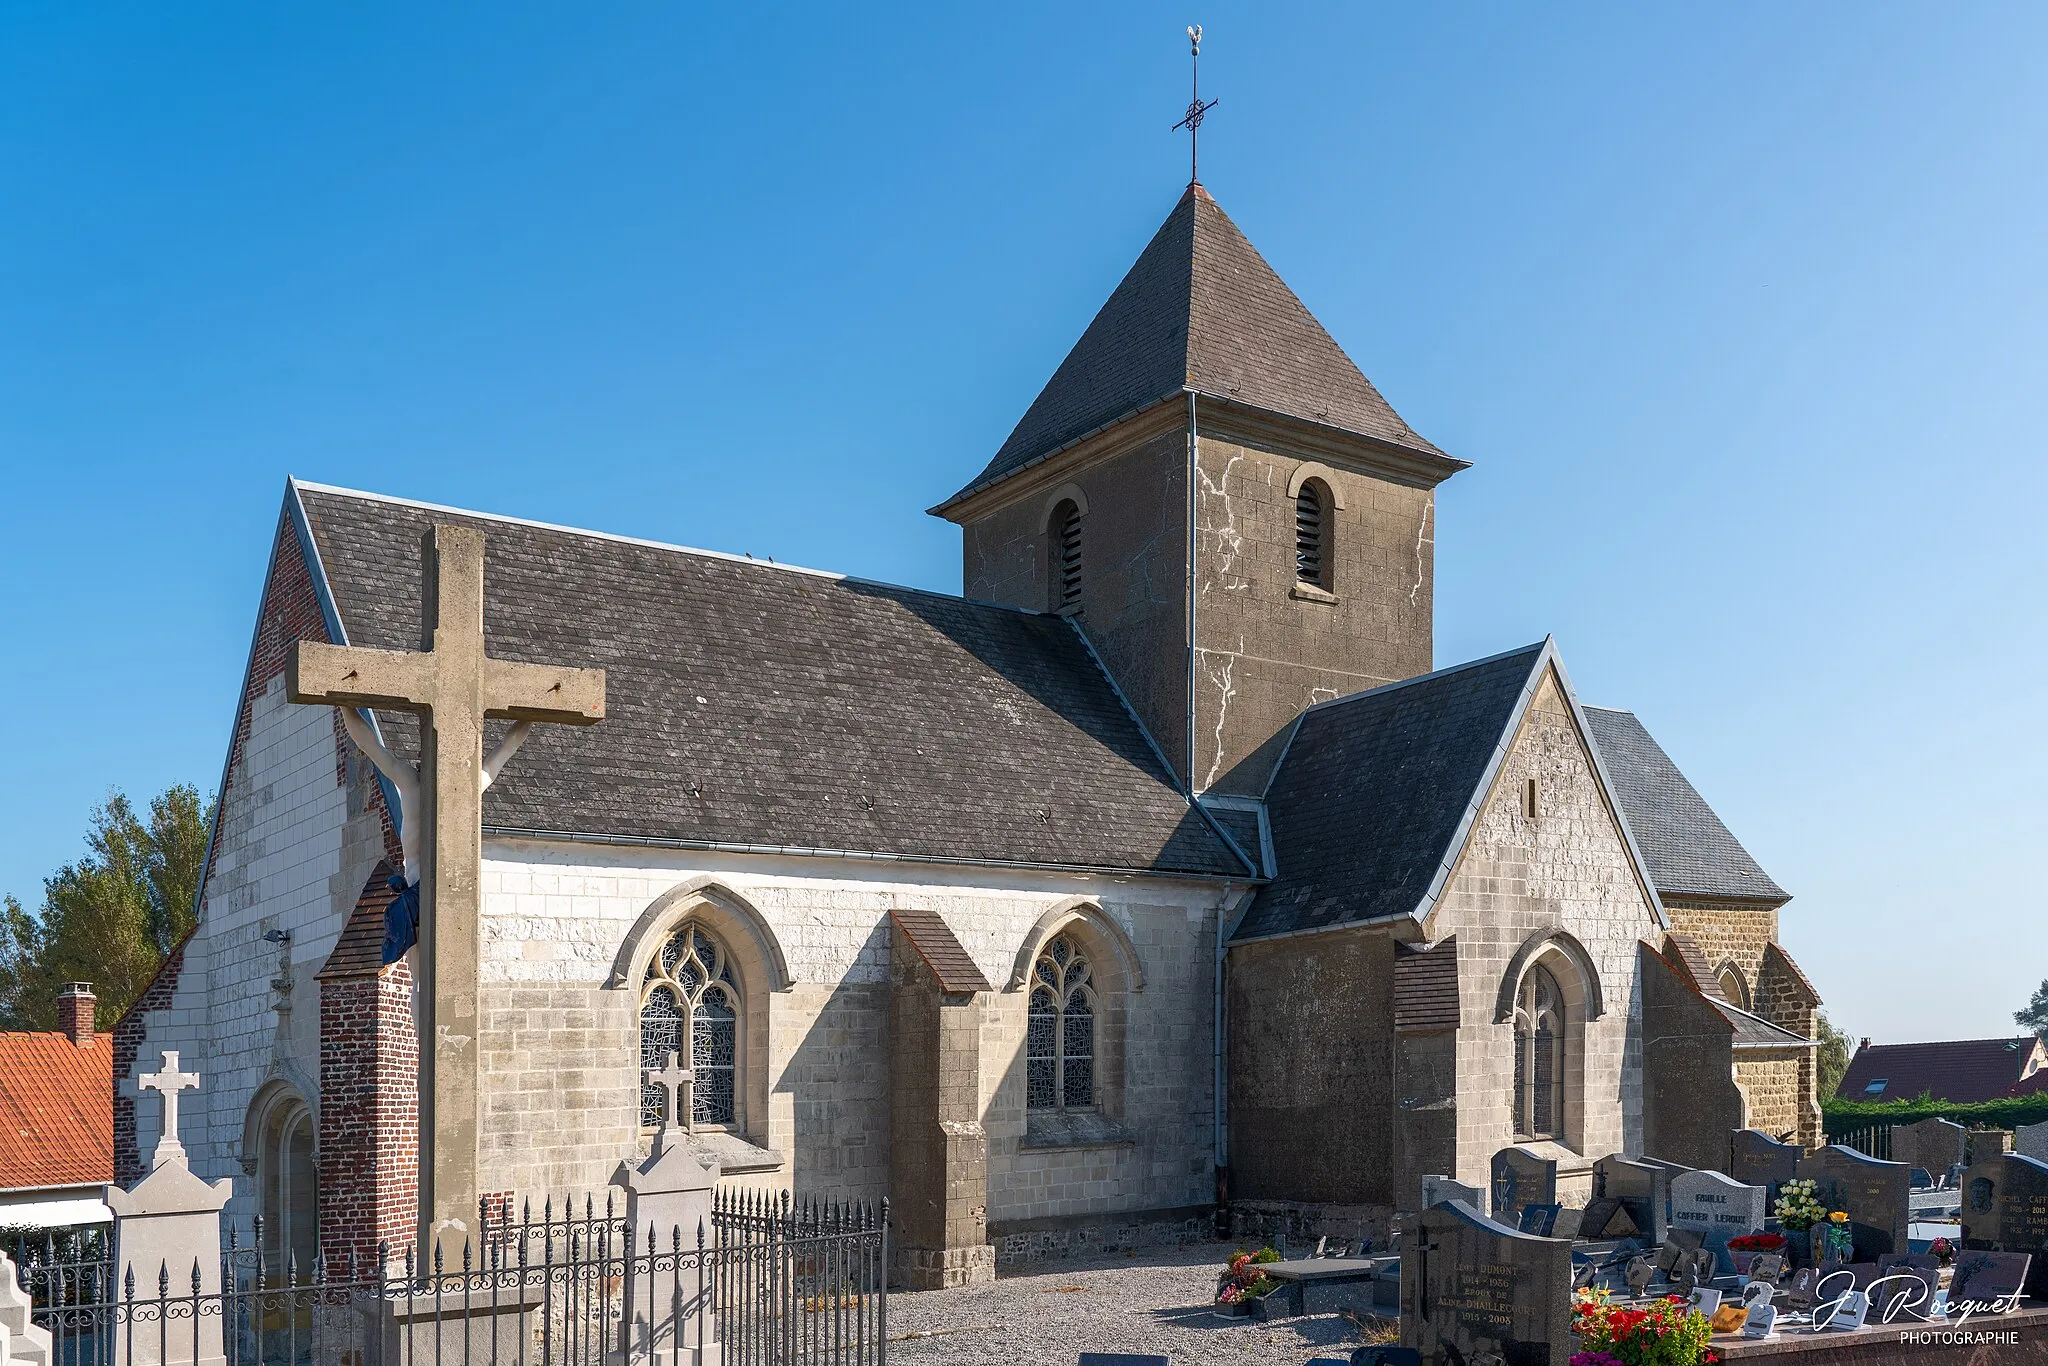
(1437, 1189)
(1981, 1145)
(1760, 1160)
(1540, 1220)
(1902, 1292)
(1604, 1217)
(2029, 1140)
(2012, 1214)
(1470, 1285)
(1717, 1208)
(1643, 1189)
(1935, 1144)
(1986, 1278)
(1877, 1196)
(1522, 1177)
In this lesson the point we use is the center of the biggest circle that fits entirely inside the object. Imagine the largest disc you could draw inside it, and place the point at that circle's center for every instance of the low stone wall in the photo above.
(1022, 1241)
(1259, 1222)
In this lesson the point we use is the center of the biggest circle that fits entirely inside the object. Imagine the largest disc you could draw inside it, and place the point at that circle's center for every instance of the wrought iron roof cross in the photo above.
(1192, 120)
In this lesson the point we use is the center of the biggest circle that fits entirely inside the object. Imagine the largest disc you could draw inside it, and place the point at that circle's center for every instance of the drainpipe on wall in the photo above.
(1192, 473)
(1228, 910)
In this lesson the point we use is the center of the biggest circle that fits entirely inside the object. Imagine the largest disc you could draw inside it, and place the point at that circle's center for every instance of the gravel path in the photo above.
(1158, 1301)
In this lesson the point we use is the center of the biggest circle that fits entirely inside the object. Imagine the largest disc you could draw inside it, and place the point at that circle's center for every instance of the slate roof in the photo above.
(940, 948)
(1372, 796)
(56, 1111)
(1955, 1070)
(1753, 1031)
(1201, 309)
(753, 706)
(359, 950)
(1688, 850)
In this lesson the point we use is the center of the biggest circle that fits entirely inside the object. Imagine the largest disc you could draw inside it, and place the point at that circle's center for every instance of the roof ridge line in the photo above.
(647, 543)
(1444, 672)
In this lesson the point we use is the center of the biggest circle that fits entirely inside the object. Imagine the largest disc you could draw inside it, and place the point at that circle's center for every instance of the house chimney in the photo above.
(74, 1012)
(1863, 1045)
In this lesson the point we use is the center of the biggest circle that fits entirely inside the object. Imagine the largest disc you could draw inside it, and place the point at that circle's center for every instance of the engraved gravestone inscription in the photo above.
(1471, 1286)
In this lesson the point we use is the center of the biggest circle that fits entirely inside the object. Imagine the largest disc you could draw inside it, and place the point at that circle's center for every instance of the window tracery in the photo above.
(1059, 1053)
(1539, 1056)
(690, 1005)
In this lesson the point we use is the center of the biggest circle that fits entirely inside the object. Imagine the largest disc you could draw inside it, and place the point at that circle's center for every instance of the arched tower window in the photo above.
(1065, 557)
(690, 1005)
(1539, 1056)
(1312, 549)
(1732, 985)
(1059, 1051)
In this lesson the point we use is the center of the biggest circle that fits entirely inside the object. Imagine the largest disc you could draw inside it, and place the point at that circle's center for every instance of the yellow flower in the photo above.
(1840, 1216)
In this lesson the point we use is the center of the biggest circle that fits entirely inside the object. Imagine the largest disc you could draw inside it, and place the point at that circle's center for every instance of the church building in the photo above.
(1159, 878)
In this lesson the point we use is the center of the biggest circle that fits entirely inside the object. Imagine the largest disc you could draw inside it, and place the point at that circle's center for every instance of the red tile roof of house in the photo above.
(1959, 1070)
(56, 1111)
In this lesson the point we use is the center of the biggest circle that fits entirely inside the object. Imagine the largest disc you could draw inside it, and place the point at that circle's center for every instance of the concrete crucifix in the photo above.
(454, 686)
(680, 1083)
(168, 1082)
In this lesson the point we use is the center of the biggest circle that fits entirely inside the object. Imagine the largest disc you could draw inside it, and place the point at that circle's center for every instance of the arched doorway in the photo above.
(280, 1138)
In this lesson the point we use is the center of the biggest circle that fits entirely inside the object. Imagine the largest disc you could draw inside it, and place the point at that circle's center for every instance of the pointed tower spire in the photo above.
(1201, 311)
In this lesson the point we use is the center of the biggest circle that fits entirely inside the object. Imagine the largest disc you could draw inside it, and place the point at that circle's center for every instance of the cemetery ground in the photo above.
(1158, 1300)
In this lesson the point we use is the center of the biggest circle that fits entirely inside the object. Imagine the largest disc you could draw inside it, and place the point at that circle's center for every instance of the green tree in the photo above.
(2035, 1016)
(109, 918)
(1832, 1057)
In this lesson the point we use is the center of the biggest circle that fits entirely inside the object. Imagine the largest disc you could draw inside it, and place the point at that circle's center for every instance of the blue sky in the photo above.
(1740, 312)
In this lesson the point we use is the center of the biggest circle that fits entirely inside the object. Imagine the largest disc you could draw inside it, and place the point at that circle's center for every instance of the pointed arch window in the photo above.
(1059, 1052)
(1732, 985)
(1312, 549)
(1065, 562)
(1539, 1056)
(690, 1005)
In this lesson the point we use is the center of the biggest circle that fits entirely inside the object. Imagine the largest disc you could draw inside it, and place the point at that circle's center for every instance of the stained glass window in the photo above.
(690, 1006)
(1539, 1056)
(1059, 1041)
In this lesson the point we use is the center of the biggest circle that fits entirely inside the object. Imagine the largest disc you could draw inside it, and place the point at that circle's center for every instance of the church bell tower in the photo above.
(1237, 520)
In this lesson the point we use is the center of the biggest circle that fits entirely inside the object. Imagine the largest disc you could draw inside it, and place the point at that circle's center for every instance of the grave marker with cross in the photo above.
(454, 687)
(169, 1081)
(680, 1084)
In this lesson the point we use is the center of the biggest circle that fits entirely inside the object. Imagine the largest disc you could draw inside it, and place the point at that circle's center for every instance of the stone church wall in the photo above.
(1312, 1124)
(1770, 1080)
(561, 1048)
(1725, 934)
(300, 828)
(1269, 648)
(1564, 869)
(1133, 561)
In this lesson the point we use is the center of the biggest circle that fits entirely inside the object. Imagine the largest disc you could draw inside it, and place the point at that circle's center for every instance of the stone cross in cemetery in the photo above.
(680, 1083)
(169, 1082)
(1877, 1196)
(1471, 1286)
(454, 686)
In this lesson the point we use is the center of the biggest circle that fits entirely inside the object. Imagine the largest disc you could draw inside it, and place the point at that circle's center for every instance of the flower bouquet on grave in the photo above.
(1798, 1209)
(1661, 1333)
(1944, 1251)
(1757, 1242)
(1244, 1279)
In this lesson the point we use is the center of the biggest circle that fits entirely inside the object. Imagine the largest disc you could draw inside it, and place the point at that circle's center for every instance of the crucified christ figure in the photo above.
(401, 922)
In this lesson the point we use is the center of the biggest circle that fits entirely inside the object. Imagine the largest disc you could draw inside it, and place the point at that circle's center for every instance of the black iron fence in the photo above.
(768, 1282)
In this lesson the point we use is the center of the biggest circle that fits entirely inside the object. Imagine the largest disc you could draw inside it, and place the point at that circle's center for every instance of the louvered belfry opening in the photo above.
(1311, 556)
(1066, 558)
